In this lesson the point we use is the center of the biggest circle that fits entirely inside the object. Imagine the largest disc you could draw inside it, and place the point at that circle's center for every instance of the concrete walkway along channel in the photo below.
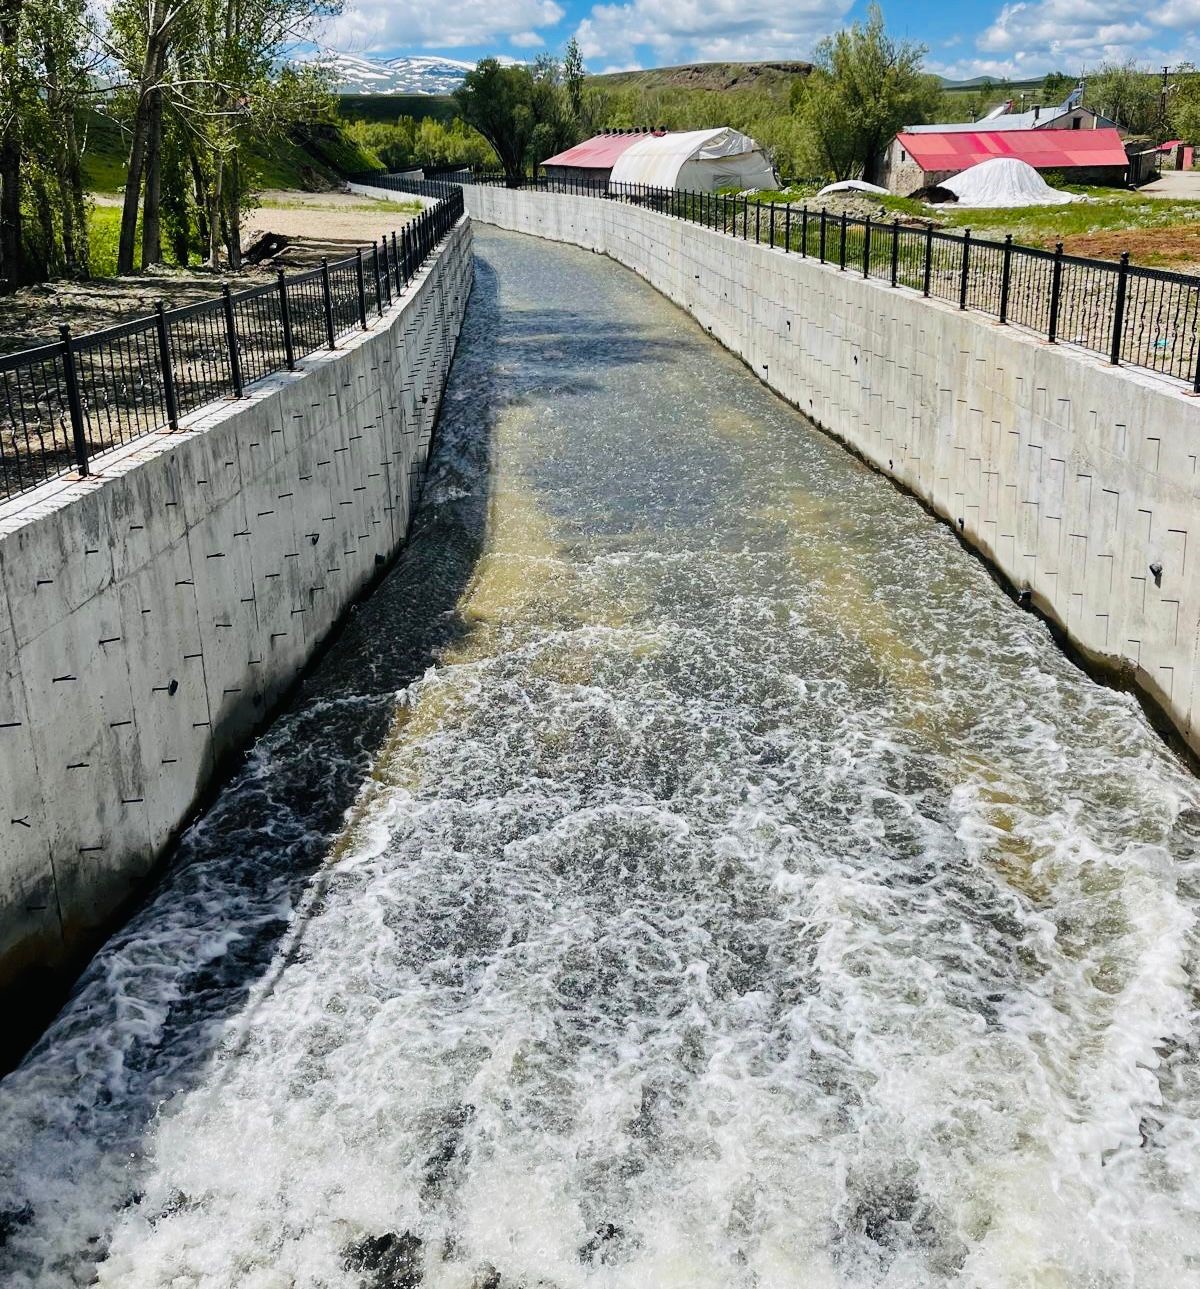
(689, 870)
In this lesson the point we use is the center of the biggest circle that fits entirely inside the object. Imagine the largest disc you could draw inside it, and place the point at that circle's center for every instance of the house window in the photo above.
(903, 155)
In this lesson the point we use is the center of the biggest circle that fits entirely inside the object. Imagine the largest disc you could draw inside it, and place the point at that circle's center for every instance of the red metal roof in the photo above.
(1042, 149)
(599, 153)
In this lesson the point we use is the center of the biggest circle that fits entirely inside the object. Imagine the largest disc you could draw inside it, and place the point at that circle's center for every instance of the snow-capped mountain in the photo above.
(415, 75)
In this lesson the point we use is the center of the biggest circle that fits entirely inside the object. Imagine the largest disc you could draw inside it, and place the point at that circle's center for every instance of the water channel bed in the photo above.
(689, 871)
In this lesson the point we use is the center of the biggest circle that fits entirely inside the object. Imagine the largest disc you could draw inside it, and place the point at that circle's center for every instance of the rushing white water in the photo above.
(736, 891)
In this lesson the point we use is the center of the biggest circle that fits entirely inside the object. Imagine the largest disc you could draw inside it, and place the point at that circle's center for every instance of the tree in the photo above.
(1126, 94)
(863, 88)
(1057, 86)
(1184, 105)
(523, 114)
(573, 74)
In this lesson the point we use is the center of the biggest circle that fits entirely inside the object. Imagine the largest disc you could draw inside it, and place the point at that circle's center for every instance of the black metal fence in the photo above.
(1143, 317)
(63, 403)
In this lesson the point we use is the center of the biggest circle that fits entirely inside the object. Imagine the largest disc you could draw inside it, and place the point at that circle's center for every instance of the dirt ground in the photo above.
(329, 224)
(1175, 248)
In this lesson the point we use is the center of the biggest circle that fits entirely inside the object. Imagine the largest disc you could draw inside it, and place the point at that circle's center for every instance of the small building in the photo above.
(1067, 116)
(693, 160)
(593, 159)
(921, 158)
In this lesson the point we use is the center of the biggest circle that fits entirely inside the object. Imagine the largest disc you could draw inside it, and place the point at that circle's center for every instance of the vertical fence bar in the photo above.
(285, 313)
(745, 217)
(842, 243)
(803, 232)
(895, 251)
(168, 369)
(1119, 309)
(362, 288)
(74, 402)
(1005, 278)
(963, 279)
(235, 359)
(771, 227)
(327, 296)
(787, 229)
(397, 268)
(378, 284)
(927, 277)
(821, 246)
(1055, 293)
(757, 222)
(867, 248)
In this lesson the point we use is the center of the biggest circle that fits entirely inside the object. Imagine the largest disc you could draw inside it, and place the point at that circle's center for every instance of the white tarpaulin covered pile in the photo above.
(695, 160)
(1003, 182)
(851, 185)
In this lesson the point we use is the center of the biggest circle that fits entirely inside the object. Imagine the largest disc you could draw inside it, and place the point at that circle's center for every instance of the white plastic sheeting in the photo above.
(695, 160)
(851, 185)
(1004, 182)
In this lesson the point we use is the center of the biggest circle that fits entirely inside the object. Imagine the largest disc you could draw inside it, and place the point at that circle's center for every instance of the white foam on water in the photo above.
(752, 897)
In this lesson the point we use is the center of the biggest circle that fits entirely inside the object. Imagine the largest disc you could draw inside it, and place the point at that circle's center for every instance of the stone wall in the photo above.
(153, 615)
(1078, 481)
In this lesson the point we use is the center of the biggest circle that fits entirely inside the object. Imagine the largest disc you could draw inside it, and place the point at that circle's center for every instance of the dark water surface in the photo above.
(689, 871)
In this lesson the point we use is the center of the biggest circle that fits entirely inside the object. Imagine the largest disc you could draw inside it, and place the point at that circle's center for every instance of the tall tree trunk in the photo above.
(11, 267)
(51, 260)
(201, 199)
(151, 210)
(78, 200)
(157, 37)
(233, 208)
(214, 215)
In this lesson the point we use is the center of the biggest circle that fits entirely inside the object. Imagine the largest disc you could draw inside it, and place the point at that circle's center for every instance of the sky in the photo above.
(980, 37)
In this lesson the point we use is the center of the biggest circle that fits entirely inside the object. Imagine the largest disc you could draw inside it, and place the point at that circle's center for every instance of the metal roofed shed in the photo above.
(594, 158)
(919, 160)
(695, 161)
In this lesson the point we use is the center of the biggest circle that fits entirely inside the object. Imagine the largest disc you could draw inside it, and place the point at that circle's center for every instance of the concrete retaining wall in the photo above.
(1076, 480)
(151, 616)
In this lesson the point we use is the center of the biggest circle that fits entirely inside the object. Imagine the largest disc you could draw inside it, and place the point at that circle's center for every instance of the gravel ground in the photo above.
(316, 224)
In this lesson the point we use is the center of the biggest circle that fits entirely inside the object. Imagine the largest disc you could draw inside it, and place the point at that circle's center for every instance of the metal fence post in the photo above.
(1119, 308)
(745, 217)
(235, 359)
(927, 278)
(965, 270)
(842, 243)
(757, 223)
(285, 314)
(362, 288)
(803, 232)
(771, 228)
(74, 402)
(1055, 293)
(378, 283)
(327, 293)
(168, 370)
(787, 228)
(821, 243)
(895, 251)
(1005, 278)
(397, 271)
(867, 248)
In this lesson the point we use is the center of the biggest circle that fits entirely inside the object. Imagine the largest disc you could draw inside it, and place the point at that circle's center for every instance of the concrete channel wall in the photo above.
(153, 615)
(1077, 481)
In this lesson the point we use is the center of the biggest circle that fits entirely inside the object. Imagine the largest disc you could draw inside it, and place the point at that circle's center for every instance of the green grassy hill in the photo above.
(312, 158)
(387, 107)
(774, 78)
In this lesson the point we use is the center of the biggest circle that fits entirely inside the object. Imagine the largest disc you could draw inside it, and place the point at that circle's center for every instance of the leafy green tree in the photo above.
(573, 74)
(863, 88)
(1184, 105)
(1057, 86)
(1127, 94)
(522, 113)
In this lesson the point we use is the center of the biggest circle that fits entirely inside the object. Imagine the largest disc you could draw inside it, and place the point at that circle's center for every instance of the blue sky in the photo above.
(1025, 38)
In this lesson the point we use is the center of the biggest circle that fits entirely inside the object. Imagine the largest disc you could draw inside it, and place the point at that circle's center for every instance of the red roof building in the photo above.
(593, 158)
(931, 156)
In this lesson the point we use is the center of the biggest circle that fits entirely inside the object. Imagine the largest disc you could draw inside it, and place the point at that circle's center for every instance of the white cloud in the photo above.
(1030, 37)
(526, 40)
(374, 26)
(713, 30)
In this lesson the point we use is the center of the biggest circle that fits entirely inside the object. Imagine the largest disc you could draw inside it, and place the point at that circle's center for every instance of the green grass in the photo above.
(388, 107)
(365, 203)
(1108, 209)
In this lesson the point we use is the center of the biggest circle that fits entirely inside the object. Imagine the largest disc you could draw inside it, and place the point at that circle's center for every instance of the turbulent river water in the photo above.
(688, 871)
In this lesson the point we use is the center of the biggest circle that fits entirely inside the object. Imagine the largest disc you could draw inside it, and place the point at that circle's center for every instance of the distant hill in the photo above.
(977, 82)
(708, 76)
(416, 75)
